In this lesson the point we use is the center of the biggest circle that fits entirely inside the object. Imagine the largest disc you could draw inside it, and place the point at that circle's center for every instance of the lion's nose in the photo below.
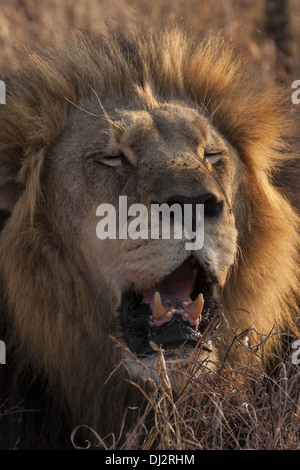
(212, 205)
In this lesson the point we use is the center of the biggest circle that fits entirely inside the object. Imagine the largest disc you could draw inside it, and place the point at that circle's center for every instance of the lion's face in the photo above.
(168, 154)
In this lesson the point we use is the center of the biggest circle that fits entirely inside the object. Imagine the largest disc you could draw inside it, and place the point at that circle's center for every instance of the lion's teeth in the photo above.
(158, 308)
(196, 307)
(169, 314)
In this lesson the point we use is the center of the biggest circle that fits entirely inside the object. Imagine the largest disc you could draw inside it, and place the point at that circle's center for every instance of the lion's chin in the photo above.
(171, 364)
(174, 314)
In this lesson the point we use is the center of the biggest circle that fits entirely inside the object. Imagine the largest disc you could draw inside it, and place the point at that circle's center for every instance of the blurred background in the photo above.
(269, 30)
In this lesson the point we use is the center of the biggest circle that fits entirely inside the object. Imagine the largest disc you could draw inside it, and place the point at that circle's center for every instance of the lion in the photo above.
(160, 118)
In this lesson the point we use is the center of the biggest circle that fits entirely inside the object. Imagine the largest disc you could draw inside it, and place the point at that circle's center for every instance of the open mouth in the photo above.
(172, 312)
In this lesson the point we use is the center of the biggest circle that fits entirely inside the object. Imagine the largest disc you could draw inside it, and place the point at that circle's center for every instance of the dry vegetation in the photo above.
(228, 410)
(215, 412)
(23, 22)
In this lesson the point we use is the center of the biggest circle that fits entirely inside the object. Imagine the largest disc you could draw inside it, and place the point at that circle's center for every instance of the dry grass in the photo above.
(221, 413)
(226, 410)
(23, 22)
(218, 413)
(212, 411)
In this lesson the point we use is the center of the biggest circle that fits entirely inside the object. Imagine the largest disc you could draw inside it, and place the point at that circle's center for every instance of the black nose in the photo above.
(212, 206)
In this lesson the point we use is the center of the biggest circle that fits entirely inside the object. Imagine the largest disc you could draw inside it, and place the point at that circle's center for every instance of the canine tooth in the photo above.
(158, 308)
(196, 307)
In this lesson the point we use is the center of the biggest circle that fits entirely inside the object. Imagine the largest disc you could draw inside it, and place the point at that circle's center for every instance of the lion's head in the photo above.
(161, 120)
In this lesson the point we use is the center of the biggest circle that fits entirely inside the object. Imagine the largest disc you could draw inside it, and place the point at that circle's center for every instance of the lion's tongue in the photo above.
(178, 285)
(174, 296)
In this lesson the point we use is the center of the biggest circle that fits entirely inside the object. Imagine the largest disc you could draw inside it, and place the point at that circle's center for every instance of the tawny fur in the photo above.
(46, 289)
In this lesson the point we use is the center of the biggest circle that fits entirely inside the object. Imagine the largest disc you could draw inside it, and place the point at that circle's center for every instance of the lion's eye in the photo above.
(113, 161)
(213, 157)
